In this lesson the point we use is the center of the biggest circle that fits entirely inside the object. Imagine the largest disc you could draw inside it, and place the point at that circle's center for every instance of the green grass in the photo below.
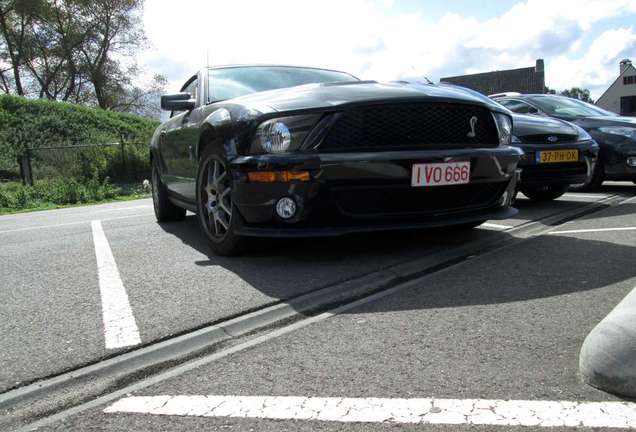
(62, 193)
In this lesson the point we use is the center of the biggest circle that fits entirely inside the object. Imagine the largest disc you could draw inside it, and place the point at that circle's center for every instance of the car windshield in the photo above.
(561, 105)
(228, 83)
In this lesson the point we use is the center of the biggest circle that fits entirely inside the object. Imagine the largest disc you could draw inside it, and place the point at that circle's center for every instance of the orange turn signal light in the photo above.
(278, 176)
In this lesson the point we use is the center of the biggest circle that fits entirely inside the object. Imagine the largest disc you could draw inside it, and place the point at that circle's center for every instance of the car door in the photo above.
(178, 144)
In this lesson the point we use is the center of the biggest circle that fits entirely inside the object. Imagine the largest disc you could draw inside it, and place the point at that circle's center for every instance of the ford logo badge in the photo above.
(553, 139)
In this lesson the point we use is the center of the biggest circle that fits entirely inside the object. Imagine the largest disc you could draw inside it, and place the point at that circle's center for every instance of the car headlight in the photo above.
(583, 135)
(282, 134)
(619, 130)
(504, 127)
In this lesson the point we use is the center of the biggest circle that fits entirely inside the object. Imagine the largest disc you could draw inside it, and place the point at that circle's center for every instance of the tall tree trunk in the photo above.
(15, 56)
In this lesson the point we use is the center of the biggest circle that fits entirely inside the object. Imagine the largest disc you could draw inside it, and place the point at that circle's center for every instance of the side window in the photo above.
(518, 106)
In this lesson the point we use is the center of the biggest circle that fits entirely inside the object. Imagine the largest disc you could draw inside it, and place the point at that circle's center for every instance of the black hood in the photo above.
(320, 96)
(538, 129)
(589, 123)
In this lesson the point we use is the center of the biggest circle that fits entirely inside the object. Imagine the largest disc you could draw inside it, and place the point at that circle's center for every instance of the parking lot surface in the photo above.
(504, 325)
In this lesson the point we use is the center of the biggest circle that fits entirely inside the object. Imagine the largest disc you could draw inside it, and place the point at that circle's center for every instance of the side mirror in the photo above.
(177, 102)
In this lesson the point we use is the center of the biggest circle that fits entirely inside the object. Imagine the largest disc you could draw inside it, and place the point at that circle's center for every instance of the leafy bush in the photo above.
(27, 123)
(58, 191)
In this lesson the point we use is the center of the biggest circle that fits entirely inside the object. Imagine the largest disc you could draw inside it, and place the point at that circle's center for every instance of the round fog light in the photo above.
(631, 161)
(286, 208)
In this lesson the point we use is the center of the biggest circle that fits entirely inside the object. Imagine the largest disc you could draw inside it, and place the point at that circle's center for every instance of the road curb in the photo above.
(107, 375)
(608, 356)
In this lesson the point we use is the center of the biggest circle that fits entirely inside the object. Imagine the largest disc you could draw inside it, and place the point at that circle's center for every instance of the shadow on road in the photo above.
(545, 266)
(328, 249)
(562, 265)
(282, 269)
(626, 188)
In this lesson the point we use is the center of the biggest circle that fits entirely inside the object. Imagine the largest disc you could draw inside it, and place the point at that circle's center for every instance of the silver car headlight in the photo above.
(583, 135)
(504, 128)
(284, 134)
(627, 132)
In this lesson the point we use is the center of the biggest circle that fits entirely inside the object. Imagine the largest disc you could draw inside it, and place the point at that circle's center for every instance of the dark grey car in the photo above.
(616, 135)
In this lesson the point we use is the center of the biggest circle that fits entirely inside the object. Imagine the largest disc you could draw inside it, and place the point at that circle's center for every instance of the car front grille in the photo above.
(403, 201)
(419, 126)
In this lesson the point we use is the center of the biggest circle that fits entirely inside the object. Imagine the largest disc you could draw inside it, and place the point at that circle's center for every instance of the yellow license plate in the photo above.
(558, 156)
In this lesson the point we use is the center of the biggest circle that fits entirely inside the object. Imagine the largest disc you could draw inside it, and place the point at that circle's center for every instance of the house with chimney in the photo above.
(620, 97)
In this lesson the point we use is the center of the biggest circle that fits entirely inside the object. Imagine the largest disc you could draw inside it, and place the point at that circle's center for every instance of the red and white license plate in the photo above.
(440, 174)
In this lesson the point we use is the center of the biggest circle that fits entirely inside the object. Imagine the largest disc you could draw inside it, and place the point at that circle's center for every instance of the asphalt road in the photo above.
(504, 325)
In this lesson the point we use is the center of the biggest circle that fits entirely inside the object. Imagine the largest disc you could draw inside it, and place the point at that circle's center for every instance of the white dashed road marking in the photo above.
(620, 415)
(495, 226)
(579, 231)
(72, 223)
(120, 328)
(124, 208)
(585, 196)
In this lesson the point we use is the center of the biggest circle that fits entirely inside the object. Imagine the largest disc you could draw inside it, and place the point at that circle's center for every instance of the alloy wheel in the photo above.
(216, 198)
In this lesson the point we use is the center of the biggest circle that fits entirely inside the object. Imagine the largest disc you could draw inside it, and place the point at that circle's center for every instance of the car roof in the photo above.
(231, 66)
(521, 96)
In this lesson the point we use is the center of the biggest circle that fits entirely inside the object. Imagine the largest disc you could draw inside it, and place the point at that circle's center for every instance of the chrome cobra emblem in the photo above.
(473, 123)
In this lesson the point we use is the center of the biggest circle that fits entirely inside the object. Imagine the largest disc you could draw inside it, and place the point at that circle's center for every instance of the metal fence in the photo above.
(121, 162)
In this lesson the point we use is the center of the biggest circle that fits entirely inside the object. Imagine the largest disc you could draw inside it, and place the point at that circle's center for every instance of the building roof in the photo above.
(628, 68)
(523, 80)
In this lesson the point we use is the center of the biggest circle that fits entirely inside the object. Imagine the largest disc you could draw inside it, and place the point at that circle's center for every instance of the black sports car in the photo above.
(557, 154)
(615, 135)
(280, 151)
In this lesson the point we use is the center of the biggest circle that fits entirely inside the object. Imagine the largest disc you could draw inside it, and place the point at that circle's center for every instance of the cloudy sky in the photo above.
(582, 41)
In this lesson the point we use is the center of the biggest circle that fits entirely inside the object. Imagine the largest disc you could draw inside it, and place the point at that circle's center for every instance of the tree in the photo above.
(578, 93)
(81, 51)
(16, 19)
(144, 101)
(113, 28)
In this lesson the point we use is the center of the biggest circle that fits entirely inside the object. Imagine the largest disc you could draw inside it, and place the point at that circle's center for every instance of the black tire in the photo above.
(595, 182)
(165, 210)
(216, 212)
(544, 193)
(513, 198)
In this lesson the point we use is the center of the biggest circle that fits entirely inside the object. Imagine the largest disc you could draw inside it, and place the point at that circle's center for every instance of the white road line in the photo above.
(376, 410)
(495, 226)
(72, 223)
(578, 195)
(120, 328)
(593, 230)
(124, 208)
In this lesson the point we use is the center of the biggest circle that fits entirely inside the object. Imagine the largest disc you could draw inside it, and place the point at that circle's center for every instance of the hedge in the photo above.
(27, 123)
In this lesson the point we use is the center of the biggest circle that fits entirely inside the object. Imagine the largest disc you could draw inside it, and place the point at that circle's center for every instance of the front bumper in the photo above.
(358, 192)
(619, 162)
(534, 173)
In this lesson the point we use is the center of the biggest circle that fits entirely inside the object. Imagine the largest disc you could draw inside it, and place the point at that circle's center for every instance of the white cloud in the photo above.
(598, 67)
(358, 36)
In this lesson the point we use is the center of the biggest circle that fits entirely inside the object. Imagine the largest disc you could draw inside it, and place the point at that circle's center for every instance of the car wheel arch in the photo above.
(208, 137)
(155, 157)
